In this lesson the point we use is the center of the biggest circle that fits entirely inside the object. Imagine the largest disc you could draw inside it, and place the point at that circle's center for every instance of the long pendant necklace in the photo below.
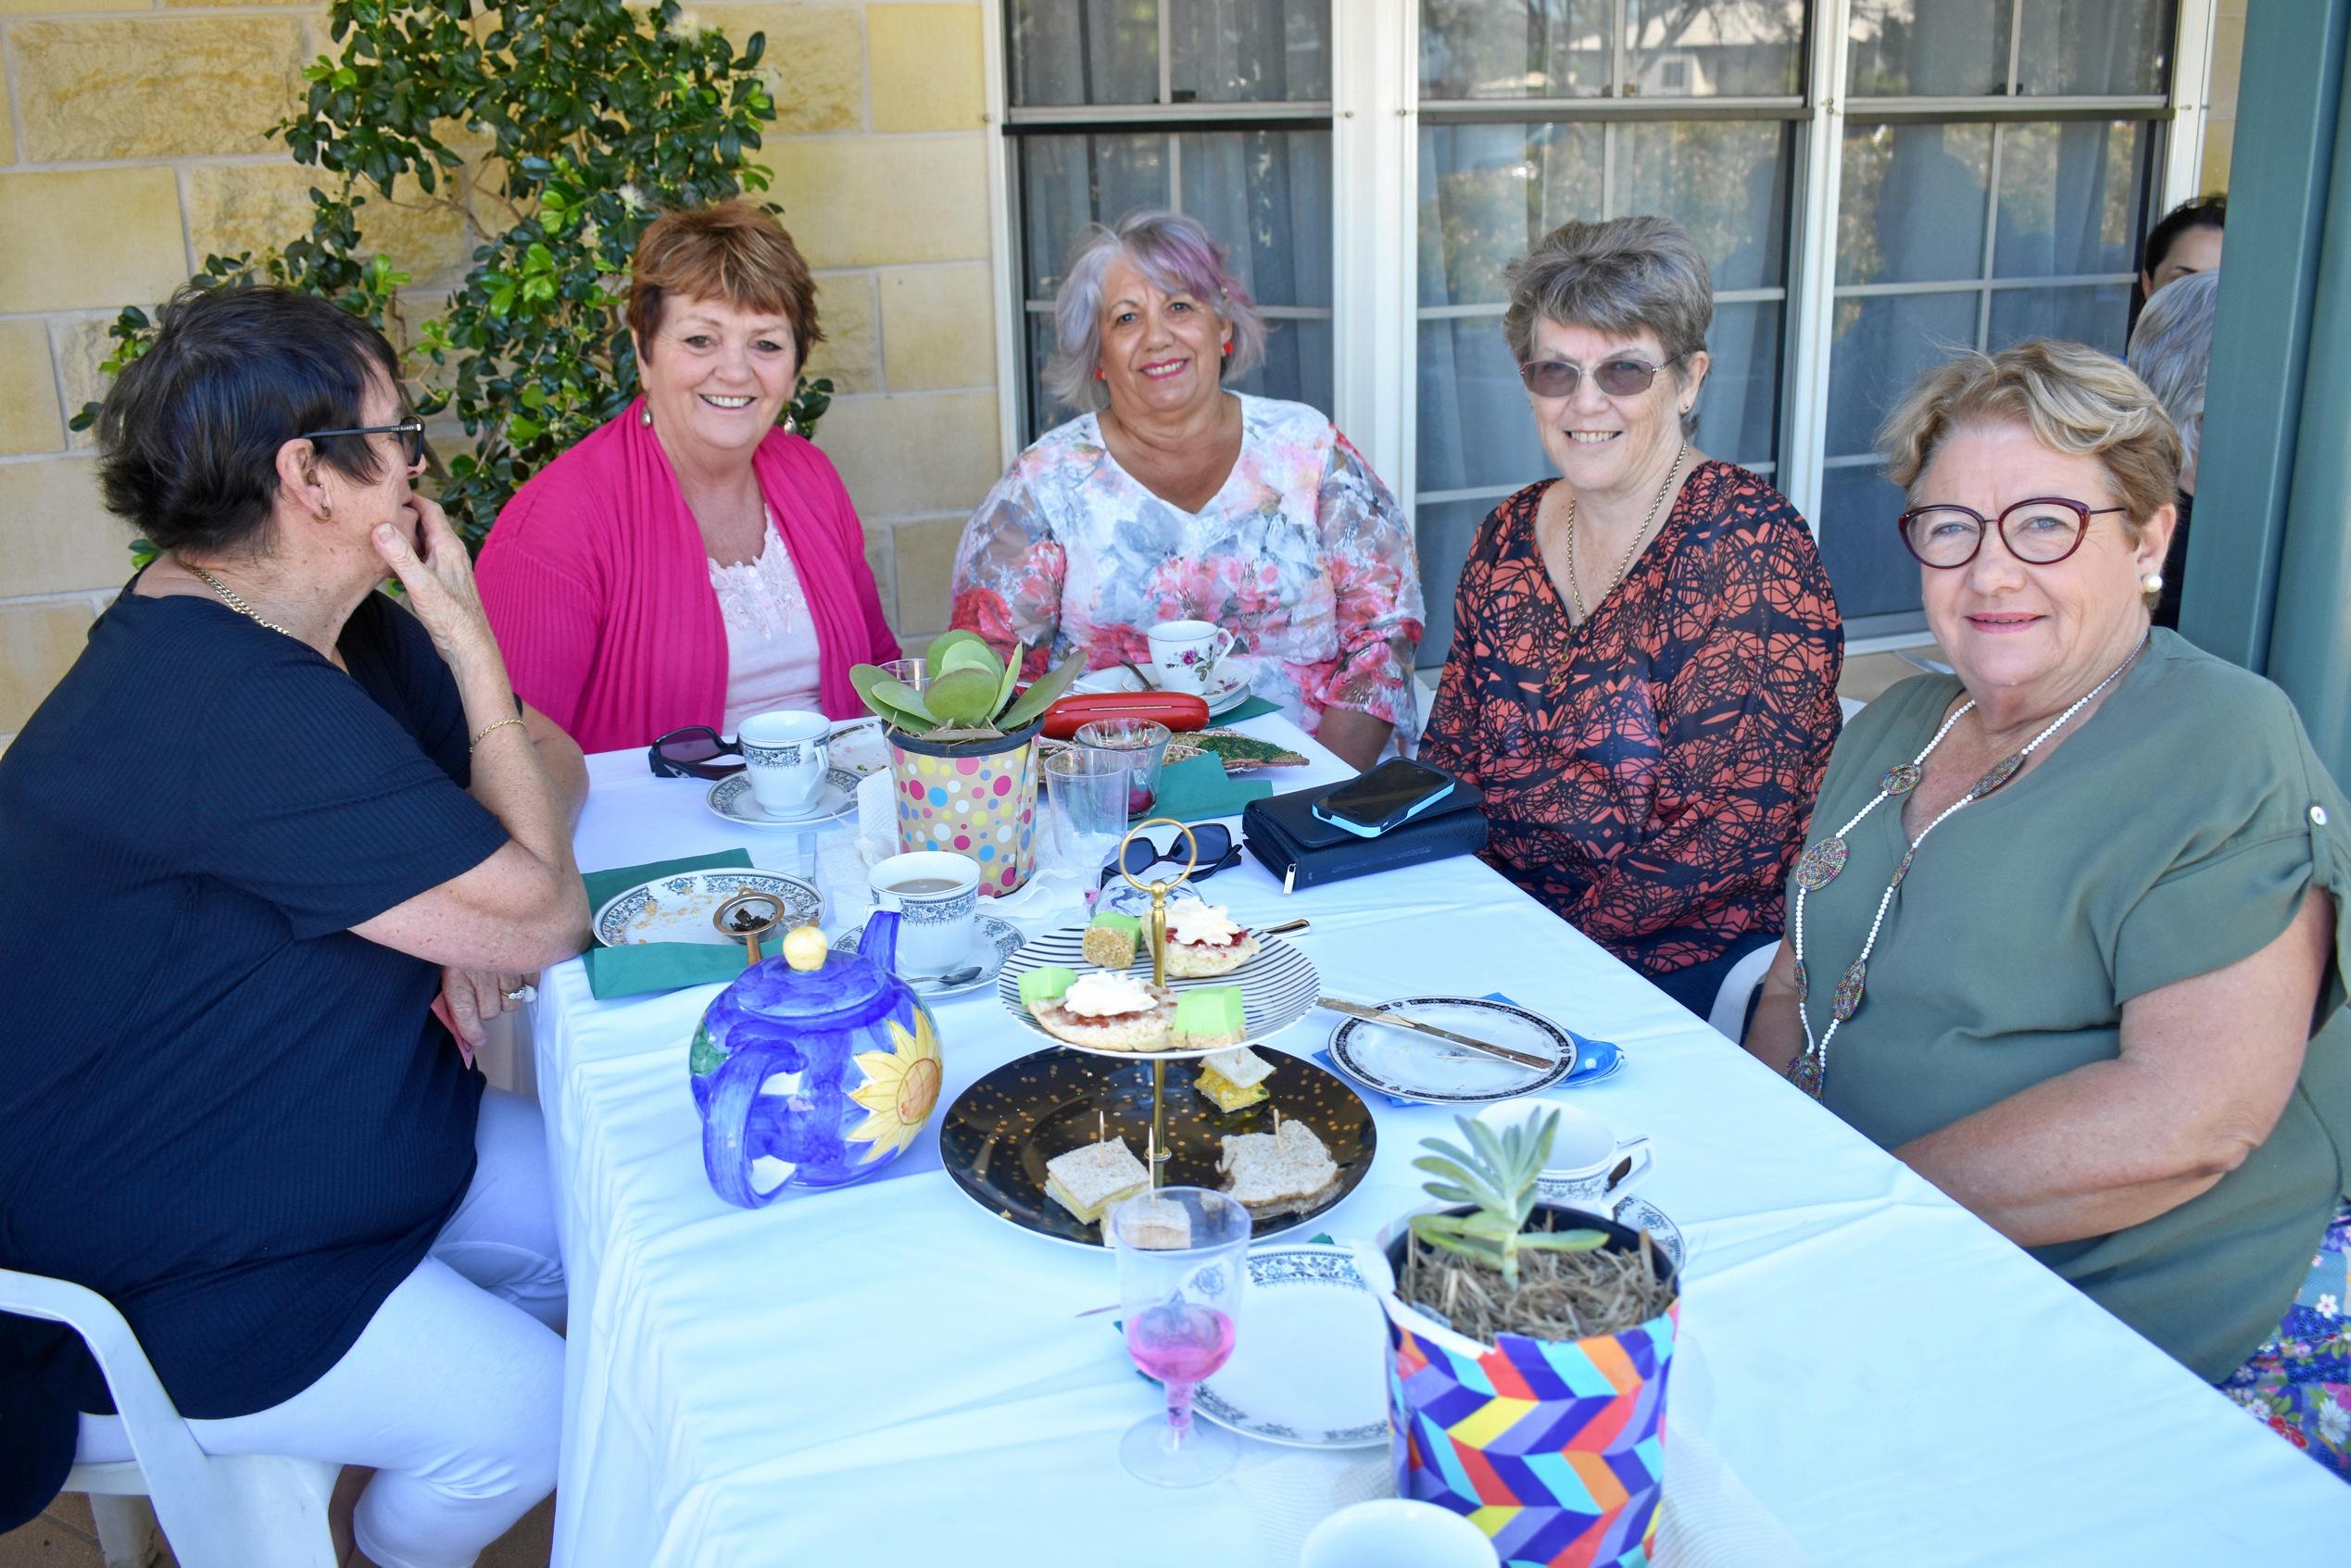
(1576, 593)
(234, 602)
(1819, 865)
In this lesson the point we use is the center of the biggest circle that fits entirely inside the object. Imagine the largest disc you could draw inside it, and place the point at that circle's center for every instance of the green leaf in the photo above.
(962, 697)
(1011, 677)
(934, 657)
(974, 656)
(906, 700)
(1041, 695)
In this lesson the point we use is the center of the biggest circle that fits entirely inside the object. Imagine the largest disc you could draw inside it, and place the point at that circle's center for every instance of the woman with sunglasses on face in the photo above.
(1643, 673)
(2067, 939)
(268, 819)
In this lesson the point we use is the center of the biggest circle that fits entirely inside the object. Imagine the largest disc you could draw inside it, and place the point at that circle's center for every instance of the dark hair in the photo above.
(189, 436)
(2201, 212)
(734, 253)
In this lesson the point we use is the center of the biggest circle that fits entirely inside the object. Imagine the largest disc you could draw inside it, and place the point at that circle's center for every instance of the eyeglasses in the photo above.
(410, 431)
(1618, 378)
(693, 753)
(1217, 849)
(2042, 531)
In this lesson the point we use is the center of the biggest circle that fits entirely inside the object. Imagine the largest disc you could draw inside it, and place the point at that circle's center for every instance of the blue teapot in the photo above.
(826, 1062)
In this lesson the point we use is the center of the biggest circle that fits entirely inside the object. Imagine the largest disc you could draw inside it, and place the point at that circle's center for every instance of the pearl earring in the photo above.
(2152, 581)
(791, 424)
(645, 415)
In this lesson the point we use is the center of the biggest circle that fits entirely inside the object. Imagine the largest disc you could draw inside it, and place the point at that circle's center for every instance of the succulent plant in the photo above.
(972, 695)
(1497, 1174)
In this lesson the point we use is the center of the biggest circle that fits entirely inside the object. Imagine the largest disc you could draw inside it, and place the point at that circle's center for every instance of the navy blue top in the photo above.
(219, 1109)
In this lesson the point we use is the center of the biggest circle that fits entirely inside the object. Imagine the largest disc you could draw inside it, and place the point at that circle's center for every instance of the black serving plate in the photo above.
(998, 1133)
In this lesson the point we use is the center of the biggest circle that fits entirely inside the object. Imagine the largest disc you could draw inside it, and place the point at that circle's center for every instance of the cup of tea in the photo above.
(936, 893)
(784, 752)
(1184, 655)
(1583, 1152)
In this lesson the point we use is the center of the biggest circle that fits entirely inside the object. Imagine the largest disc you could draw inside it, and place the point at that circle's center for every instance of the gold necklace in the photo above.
(1575, 591)
(235, 603)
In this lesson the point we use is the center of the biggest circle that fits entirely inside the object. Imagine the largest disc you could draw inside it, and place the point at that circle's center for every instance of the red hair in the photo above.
(734, 253)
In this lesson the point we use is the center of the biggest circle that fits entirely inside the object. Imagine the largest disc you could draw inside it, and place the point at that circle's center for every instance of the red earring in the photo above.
(1097, 374)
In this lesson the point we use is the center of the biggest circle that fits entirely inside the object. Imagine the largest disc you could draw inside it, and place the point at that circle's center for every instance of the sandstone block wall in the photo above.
(131, 145)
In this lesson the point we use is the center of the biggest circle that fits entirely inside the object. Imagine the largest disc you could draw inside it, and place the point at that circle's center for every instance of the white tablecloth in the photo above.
(889, 1374)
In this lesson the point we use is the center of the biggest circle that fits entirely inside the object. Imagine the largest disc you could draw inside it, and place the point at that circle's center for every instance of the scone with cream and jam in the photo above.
(1107, 1012)
(1202, 940)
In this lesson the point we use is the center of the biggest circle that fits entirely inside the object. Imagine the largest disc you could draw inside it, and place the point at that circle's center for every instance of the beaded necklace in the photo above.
(1819, 865)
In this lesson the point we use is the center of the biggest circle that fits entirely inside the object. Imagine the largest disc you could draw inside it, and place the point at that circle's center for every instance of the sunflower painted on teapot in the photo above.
(815, 1068)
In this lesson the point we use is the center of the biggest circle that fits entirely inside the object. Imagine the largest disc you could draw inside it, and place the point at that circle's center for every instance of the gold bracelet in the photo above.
(488, 730)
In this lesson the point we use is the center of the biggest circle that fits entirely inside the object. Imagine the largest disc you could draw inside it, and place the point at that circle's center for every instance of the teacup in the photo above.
(1184, 655)
(1582, 1154)
(936, 893)
(784, 752)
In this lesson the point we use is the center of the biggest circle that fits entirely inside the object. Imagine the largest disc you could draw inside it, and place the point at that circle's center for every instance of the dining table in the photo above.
(890, 1373)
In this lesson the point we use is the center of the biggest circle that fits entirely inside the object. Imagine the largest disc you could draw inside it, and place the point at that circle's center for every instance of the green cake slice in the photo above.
(1211, 1015)
(1110, 939)
(1047, 983)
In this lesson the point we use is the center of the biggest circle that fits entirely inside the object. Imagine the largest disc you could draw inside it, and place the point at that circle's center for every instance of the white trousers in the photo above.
(454, 1392)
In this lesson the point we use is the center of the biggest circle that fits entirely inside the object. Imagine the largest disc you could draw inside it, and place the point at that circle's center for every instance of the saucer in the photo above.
(1308, 1372)
(994, 941)
(678, 908)
(731, 797)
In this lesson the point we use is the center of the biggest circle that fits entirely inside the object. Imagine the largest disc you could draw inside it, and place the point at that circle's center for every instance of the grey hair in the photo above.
(2172, 351)
(1614, 277)
(1177, 254)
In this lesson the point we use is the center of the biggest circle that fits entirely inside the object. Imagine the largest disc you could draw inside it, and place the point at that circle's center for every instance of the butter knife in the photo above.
(1395, 1021)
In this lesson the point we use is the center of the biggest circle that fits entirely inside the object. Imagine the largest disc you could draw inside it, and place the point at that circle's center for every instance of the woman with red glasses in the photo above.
(2067, 939)
(1643, 673)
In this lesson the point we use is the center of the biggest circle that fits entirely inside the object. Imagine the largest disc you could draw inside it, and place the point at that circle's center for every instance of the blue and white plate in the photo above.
(1420, 1067)
(678, 908)
(1309, 1367)
(731, 797)
(993, 941)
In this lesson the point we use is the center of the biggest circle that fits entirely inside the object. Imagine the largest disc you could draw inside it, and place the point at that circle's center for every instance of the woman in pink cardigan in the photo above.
(690, 563)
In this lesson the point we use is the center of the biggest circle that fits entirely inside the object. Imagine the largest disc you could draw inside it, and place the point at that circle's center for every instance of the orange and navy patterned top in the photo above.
(1649, 773)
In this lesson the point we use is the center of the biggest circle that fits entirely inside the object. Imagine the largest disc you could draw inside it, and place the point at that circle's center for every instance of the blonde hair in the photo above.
(2073, 398)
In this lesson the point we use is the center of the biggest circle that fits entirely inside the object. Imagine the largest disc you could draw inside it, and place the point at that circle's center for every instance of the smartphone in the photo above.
(1391, 795)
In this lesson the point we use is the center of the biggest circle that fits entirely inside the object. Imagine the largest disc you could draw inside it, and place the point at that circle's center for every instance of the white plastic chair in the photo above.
(1729, 1015)
(240, 1511)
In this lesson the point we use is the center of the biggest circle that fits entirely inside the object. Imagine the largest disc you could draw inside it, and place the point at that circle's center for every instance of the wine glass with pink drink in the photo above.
(1181, 1257)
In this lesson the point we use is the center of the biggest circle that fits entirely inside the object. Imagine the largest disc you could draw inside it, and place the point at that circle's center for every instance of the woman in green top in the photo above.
(2065, 938)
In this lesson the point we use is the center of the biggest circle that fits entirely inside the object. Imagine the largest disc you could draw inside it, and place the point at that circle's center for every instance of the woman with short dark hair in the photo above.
(2184, 241)
(1643, 676)
(689, 562)
(312, 817)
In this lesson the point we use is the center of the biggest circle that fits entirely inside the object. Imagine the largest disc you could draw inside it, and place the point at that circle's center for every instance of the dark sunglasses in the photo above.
(1618, 378)
(1168, 848)
(410, 431)
(693, 753)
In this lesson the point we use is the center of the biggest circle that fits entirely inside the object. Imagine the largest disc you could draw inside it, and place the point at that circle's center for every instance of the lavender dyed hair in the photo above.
(1178, 256)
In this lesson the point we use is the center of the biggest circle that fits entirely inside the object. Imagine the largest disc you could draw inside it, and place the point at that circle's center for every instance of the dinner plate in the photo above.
(731, 797)
(992, 941)
(996, 1137)
(856, 747)
(1279, 987)
(1308, 1367)
(1396, 1062)
(678, 908)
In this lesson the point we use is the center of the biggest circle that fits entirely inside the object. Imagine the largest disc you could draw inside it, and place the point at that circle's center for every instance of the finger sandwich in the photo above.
(1233, 1079)
(1277, 1172)
(1091, 1181)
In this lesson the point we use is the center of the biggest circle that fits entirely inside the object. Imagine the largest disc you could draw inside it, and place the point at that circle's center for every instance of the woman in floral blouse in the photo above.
(1644, 674)
(1173, 499)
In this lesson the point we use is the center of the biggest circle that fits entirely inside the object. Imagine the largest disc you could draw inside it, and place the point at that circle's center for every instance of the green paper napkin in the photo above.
(1255, 708)
(1198, 790)
(639, 966)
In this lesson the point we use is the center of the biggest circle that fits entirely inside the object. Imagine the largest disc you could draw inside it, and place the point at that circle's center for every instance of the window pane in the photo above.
(1726, 48)
(1869, 568)
(1445, 532)
(2069, 198)
(1044, 412)
(1928, 48)
(1739, 407)
(1726, 181)
(1248, 51)
(1083, 52)
(1881, 345)
(2094, 46)
(1068, 182)
(2094, 315)
(1530, 49)
(1475, 425)
(1265, 196)
(1912, 205)
(1297, 367)
(1488, 192)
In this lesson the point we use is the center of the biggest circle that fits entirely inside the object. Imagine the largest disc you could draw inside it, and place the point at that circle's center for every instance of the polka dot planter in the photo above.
(970, 798)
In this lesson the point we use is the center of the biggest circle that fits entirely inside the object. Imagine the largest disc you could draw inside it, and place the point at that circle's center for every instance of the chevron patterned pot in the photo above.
(1553, 1448)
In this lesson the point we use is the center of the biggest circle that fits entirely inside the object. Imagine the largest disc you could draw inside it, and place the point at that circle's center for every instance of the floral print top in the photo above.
(1650, 771)
(1303, 555)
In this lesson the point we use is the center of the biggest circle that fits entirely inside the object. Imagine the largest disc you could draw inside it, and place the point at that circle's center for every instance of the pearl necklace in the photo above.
(235, 603)
(1819, 865)
(1576, 593)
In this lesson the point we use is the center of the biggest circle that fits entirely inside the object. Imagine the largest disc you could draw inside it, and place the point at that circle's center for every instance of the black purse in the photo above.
(1286, 836)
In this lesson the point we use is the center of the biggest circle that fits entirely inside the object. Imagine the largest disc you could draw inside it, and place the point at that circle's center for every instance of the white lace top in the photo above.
(771, 643)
